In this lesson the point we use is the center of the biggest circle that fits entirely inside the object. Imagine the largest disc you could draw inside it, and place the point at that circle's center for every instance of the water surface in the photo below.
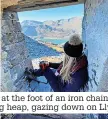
(55, 41)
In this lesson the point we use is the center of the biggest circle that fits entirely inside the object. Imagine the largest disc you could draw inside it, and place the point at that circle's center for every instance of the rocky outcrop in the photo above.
(24, 5)
(6, 3)
(95, 35)
(14, 56)
(103, 84)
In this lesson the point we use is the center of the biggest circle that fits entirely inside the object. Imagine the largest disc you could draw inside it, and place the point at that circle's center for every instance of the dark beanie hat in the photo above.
(73, 50)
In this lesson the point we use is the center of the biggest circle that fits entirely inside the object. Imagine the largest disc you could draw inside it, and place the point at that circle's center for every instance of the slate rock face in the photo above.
(14, 53)
(25, 5)
(95, 35)
(103, 85)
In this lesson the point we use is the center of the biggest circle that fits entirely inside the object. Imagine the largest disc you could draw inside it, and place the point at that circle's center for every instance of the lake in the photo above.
(55, 41)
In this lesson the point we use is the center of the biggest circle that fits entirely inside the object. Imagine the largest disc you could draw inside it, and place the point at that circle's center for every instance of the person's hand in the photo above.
(30, 71)
(43, 65)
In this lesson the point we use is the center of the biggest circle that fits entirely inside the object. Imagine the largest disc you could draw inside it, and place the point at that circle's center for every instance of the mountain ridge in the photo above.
(59, 29)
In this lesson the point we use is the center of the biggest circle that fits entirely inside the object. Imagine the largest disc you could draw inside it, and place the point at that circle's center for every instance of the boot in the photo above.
(29, 74)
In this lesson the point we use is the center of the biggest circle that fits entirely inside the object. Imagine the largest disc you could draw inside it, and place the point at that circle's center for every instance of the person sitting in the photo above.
(71, 74)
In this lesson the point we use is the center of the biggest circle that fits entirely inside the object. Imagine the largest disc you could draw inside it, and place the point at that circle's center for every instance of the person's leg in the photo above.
(38, 72)
(52, 79)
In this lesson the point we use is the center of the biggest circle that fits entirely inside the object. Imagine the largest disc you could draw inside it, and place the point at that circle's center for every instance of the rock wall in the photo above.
(14, 54)
(28, 5)
(6, 3)
(95, 34)
(103, 85)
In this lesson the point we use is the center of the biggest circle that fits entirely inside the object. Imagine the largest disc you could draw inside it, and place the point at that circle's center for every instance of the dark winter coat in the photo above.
(79, 77)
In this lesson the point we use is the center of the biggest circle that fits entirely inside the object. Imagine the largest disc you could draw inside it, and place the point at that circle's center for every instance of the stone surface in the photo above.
(103, 84)
(14, 53)
(95, 35)
(9, 15)
(6, 3)
(23, 5)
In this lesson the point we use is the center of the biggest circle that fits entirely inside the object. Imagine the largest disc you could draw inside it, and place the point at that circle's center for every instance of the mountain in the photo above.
(30, 23)
(53, 29)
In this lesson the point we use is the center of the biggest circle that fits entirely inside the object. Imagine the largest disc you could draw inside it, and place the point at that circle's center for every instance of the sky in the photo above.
(53, 13)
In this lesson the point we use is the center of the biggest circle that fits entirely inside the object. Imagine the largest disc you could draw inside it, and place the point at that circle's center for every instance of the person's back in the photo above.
(71, 75)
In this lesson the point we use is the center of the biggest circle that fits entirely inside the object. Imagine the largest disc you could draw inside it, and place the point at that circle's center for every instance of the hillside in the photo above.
(52, 29)
(38, 50)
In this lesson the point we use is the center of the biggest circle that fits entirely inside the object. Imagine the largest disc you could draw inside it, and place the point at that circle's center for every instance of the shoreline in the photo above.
(54, 38)
(53, 46)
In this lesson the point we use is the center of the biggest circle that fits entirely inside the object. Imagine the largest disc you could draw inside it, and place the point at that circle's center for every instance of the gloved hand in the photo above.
(29, 76)
(30, 71)
(43, 65)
